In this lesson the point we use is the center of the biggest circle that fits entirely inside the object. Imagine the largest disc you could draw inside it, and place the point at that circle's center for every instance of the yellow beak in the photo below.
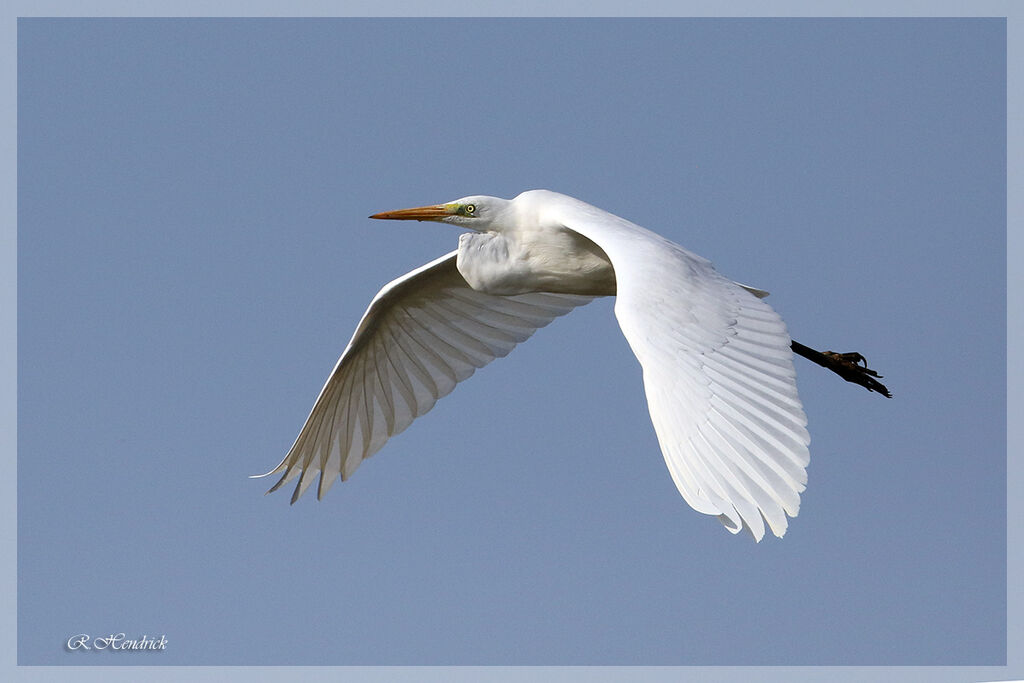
(421, 213)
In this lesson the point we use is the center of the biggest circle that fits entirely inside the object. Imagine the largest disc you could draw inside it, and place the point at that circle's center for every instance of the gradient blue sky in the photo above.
(194, 253)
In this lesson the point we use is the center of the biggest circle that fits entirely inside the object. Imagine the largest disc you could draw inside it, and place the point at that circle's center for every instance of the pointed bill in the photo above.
(435, 212)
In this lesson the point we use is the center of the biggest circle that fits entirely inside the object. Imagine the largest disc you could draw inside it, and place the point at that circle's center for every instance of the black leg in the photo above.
(850, 366)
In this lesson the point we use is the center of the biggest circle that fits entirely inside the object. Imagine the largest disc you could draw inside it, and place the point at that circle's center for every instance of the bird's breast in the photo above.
(561, 261)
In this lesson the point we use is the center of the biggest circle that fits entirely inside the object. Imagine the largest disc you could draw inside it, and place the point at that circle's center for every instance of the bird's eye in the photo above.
(470, 209)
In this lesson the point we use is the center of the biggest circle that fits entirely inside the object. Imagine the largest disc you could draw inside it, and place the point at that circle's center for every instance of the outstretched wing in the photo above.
(718, 372)
(421, 335)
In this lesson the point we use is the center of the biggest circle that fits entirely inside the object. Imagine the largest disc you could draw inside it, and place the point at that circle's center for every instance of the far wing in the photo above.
(421, 335)
(718, 374)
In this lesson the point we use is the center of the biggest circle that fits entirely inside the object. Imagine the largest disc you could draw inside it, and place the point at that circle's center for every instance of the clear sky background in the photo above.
(194, 254)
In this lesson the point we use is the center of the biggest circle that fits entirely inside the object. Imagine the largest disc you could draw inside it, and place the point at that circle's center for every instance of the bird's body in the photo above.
(716, 359)
(560, 261)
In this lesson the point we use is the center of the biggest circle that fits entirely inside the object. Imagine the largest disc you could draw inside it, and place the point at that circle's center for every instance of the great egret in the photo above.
(717, 360)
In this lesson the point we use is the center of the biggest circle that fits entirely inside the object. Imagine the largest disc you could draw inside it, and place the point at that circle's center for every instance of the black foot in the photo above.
(850, 366)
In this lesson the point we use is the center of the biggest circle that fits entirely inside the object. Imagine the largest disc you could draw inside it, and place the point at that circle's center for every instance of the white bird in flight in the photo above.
(717, 360)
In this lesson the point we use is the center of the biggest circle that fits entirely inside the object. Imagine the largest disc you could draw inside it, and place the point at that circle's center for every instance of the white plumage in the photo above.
(717, 364)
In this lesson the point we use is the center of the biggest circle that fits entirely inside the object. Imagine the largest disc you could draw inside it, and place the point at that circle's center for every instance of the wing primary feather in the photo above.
(781, 493)
(737, 494)
(769, 433)
(774, 499)
(400, 382)
(767, 373)
(725, 374)
(280, 482)
(410, 325)
(781, 424)
(780, 357)
(328, 437)
(713, 486)
(785, 465)
(300, 487)
(350, 427)
(422, 374)
(321, 446)
(366, 416)
(416, 371)
(387, 397)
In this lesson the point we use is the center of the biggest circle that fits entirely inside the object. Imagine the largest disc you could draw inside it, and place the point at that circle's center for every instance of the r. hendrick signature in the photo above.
(115, 641)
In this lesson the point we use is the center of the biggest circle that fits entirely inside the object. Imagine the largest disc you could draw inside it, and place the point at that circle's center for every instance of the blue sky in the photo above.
(194, 253)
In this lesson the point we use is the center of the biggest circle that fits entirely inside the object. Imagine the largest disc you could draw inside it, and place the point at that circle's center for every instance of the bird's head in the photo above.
(478, 212)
